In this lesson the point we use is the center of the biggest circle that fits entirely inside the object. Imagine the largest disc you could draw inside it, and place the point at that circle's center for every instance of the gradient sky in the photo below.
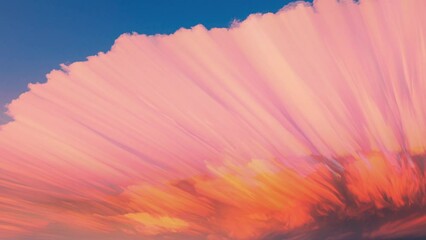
(37, 36)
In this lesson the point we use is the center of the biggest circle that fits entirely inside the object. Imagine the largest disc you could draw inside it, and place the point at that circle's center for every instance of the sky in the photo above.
(38, 36)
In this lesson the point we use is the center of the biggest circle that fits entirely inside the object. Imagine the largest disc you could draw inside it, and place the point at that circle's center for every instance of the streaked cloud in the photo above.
(307, 123)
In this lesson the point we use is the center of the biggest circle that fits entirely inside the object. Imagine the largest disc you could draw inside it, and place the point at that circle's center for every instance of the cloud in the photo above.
(307, 123)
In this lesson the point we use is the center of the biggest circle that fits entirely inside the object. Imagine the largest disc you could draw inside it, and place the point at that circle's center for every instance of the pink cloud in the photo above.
(304, 123)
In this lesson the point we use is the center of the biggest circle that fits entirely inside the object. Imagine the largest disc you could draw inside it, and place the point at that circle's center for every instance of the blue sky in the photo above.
(38, 35)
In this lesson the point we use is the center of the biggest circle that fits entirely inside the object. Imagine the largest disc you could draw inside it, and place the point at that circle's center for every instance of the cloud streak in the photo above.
(307, 123)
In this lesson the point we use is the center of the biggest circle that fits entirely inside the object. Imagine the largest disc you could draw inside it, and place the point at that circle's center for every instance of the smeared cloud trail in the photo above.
(308, 123)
